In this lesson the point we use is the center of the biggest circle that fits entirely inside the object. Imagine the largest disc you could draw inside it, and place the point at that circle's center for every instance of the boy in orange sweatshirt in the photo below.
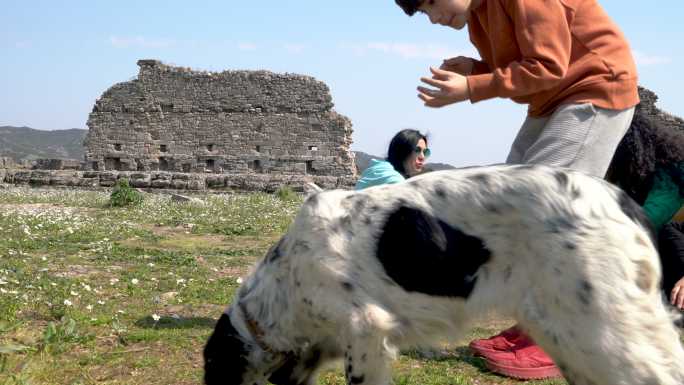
(574, 69)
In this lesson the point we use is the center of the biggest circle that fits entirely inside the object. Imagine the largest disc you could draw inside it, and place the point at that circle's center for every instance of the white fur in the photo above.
(624, 335)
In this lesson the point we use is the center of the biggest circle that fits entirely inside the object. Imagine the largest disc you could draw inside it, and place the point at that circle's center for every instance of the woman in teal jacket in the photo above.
(649, 165)
(406, 157)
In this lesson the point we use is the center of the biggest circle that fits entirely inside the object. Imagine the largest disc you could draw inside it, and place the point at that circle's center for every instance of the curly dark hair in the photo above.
(403, 144)
(646, 147)
(409, 6)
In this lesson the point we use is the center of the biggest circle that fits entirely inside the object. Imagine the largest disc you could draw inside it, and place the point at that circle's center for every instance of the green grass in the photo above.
(90, 293)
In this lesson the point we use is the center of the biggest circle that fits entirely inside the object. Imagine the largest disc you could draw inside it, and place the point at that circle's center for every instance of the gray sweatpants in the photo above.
(578, 136)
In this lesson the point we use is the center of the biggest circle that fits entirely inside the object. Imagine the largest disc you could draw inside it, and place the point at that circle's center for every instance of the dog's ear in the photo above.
(225, 355)
(424, 254)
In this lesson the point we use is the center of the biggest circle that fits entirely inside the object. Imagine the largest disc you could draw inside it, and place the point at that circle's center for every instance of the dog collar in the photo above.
(254, 329)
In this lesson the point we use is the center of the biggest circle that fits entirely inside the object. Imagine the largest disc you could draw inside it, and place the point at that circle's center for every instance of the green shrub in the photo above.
(124, 195)
(285, 193)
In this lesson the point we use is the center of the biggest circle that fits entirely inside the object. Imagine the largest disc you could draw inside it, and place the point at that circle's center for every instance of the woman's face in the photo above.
(416, 161)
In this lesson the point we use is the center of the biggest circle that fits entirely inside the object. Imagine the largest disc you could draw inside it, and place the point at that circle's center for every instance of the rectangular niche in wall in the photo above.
(210, 147)
(112, 163)
(309, 167)
(163, 164)
(256, 166)
(313, 148)
(163, 148)
(117, 146)
(210, 164)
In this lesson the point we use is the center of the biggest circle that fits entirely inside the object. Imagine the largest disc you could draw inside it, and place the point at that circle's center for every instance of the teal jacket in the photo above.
(664, 199)
(378, 172)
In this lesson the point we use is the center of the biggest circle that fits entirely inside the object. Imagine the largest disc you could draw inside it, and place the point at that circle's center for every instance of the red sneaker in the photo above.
(504, 341)
(526, 363)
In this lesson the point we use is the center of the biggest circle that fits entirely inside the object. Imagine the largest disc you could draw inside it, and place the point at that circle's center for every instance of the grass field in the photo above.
(91, 294)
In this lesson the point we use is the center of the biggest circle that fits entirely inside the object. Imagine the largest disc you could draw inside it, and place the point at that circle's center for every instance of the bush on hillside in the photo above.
(287, 194)
(124, 195)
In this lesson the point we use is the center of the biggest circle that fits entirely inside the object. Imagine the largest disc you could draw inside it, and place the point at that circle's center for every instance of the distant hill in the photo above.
(25, 143)
(363, 160)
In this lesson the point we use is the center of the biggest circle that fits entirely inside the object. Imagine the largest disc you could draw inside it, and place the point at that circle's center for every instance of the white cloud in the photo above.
(247, 46)
(294, 48)
(408, 50)
(22, 44)
(140, 42)
(643, 59)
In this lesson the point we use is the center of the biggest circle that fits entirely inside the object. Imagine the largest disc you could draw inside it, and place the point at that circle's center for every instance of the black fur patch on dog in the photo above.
(298, 369)
(224, 355)
(424, 254)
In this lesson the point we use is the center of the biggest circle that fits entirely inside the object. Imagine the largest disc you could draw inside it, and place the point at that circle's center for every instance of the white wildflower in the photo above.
(67, 302)
(155, 317)
(239, 280)
(134, 281)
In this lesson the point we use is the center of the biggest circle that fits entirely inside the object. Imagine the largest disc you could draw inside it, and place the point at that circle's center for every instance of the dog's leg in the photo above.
(598, 338)
(367, 361)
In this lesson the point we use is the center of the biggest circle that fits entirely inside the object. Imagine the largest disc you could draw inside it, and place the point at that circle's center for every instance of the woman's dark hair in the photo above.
(646, 147)
(409, 6)
(402, 146)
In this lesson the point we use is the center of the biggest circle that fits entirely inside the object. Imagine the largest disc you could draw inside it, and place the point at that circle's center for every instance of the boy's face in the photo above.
(449, 13)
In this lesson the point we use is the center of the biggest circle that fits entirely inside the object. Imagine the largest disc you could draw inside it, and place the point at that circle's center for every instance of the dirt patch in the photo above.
(233, 272)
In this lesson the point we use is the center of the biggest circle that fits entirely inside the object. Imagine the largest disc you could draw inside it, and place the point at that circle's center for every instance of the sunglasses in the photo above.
(426, 151)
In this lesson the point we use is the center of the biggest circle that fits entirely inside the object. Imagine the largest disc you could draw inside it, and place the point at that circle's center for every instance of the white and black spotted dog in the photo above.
(362, 274)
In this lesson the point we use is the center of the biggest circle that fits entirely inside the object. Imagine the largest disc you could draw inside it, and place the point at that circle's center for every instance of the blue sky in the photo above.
(58, 57)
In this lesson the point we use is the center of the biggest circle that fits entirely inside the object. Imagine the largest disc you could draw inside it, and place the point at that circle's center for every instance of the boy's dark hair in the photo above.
(402, 146)
(647, 147)
(409, 6)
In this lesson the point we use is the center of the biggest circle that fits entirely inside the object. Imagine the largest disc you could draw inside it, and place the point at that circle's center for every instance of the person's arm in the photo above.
(679, 217)
(465, 66)
(671, 242)
(545, 42)
(480, 67)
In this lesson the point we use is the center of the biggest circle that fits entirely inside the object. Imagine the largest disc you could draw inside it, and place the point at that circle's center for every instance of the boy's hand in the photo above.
(461, 65)
(451, 88)
(677, 295)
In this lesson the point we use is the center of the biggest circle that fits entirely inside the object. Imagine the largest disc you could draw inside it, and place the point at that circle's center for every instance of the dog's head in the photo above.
(230, 358)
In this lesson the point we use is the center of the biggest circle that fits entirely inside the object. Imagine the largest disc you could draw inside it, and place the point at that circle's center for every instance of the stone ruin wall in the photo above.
(235, 122)
(12, 173)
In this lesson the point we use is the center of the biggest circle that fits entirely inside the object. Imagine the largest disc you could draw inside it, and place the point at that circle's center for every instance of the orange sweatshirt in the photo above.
(550, 52)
